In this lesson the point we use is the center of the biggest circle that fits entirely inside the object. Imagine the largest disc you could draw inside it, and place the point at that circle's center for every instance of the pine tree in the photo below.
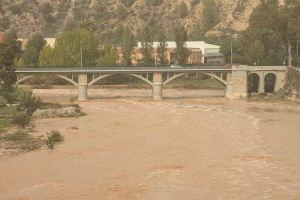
(180, 39)
(147, 46)
(109, 56)
(10, 51)
(67, 51)
(32, 50)
(128, 44)
(46, 58)
(182, 9)
(163, 47)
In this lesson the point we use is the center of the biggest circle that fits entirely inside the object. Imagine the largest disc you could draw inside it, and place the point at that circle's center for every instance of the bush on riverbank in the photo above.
(18, 142)
(15, 135)
(22, 119)
(53, 138)
(29, 102)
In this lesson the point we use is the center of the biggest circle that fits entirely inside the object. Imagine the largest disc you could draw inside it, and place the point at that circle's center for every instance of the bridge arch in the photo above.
(108, 75)
(270, 82)
(59, 76)
(222, 81)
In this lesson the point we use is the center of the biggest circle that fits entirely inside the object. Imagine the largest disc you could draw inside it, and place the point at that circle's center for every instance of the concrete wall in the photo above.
(237, 83)
(292, 85)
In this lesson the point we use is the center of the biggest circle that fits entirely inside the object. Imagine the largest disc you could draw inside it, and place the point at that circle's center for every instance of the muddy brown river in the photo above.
(193, 145)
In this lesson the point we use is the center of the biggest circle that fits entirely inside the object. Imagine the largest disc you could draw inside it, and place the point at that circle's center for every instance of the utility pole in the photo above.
(81, 51)
(155, 57)
(231, 54)
(297, 48)
(289, 54)
(81, 56)
(297, 54)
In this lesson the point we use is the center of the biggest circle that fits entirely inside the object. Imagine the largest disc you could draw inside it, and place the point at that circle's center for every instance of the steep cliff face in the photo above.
(53, 16)
(235, 14)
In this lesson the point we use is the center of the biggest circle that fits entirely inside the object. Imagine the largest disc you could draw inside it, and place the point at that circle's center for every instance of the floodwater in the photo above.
(129, 147)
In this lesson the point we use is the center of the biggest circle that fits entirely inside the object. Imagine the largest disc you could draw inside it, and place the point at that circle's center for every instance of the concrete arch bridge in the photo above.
(237, 80)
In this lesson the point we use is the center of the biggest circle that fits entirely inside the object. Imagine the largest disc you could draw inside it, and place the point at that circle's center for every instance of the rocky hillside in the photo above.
(53, 16)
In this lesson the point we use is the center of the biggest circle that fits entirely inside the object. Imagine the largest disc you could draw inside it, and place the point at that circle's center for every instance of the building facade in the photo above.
(200, 52)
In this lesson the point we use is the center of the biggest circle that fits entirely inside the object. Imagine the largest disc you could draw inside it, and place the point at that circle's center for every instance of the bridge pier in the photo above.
(82, 87)
(261, 84)
(238, 87)
(229, 90)
(157, 86)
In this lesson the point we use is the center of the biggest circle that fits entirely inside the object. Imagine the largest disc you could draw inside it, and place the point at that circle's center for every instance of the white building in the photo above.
(207, 52)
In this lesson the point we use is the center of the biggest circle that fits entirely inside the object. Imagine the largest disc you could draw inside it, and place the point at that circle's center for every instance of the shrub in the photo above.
(53, 138)
(10, 96)
(29, 102)
(17, 136)
(22, 119)
(21, 141)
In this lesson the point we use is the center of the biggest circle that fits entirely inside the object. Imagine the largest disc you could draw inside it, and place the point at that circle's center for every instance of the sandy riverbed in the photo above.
(129, 147)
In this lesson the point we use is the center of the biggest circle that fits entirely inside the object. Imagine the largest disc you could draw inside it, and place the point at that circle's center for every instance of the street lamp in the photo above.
(81, 52)
(231, 53)
(155, 58)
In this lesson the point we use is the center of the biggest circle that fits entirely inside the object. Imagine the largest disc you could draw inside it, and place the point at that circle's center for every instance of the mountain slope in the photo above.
(53, 16)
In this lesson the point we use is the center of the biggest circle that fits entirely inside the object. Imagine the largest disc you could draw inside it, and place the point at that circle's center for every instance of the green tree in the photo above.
(147, 46)
(30, 56)
(68, 46)
(162, 47)
(109, 55)
(10, 50)
(46, 58)
(32, 50)
(181, 50)
(128, 44)
(271, 29)
(182, 9)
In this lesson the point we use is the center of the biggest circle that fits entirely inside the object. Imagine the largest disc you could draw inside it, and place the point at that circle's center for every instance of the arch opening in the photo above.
(270, 82)
(196, 76)
(119, 86)
(253, 83)
(199, 84)
(46, 80)
(120, 79)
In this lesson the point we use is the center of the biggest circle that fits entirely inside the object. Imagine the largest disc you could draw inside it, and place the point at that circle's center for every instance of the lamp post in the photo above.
(155, 58)
(231, 52)
(297, 48)
(81, 51)
(289, 54)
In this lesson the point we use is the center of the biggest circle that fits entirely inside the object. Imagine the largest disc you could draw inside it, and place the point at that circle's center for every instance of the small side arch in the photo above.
(270, 82)
(108, 75)
(59, 76)
(253, 83)
(224, 83)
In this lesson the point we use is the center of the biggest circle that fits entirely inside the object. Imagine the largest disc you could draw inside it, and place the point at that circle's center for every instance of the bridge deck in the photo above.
(124, 70)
